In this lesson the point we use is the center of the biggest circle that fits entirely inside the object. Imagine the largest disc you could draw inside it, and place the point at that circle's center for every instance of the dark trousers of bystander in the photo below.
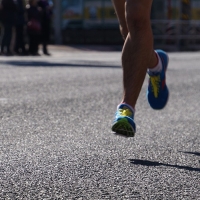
(6, 39)
(19, 42)
(45, 35)
(33, 44)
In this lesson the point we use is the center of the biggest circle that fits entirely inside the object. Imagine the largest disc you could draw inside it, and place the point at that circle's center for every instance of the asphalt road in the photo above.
(55, 136)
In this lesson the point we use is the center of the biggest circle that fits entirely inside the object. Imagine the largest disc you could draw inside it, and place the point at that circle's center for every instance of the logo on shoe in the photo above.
(125, 112)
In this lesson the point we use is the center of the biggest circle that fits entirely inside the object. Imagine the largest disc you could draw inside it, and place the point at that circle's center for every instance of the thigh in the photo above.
(133, 9)
(122, 6)
(119, 6)
(138, 7)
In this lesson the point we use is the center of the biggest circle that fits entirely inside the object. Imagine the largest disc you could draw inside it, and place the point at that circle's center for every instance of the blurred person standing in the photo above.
(33, 26)
(20, 22)
(9, 12)
(1, 7)
(46, 17)
(1, 26)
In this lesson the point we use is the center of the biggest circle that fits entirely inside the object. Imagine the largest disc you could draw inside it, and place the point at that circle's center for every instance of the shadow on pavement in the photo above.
(51, 64)
(193, 153)
(153, 164)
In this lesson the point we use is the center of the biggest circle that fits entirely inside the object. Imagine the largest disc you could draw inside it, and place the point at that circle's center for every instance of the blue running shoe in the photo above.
(124, 121)
(157, 93)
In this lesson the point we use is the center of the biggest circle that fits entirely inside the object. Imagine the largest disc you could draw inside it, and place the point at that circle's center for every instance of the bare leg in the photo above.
(138, 53)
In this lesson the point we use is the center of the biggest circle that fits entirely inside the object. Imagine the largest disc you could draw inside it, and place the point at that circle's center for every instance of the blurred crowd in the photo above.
(24, 26)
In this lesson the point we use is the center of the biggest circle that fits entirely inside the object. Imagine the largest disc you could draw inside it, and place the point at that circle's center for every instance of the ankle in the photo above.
(158, 66)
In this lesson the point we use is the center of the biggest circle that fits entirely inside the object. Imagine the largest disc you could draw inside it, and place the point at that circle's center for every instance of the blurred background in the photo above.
(175, 23)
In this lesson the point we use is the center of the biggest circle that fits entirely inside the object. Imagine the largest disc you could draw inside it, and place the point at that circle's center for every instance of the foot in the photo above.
(35, 54)
(9, 54)
(46, 53)
(124, 121)
(157, 92)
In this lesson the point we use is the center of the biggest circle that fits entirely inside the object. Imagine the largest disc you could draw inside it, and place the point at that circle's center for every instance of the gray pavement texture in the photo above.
(55, 136)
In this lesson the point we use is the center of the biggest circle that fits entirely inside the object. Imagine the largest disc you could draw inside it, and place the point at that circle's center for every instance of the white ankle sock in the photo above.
(158, 67)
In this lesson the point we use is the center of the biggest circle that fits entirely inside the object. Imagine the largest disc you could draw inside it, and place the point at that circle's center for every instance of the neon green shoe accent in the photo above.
(155, 81)
(122, 127)
(125, 112)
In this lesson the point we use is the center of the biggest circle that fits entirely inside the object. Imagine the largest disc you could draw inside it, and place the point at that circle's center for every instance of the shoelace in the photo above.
(125, 112)
(155, 80)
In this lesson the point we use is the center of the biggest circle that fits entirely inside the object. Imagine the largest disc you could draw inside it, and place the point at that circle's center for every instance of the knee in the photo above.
(137, 14)
(124, 31)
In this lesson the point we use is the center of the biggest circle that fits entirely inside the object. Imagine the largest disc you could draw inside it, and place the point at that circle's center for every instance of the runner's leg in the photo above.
(120, 12)
(138, 53)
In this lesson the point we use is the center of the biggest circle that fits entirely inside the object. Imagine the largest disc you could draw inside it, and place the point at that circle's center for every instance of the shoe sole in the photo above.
(123, 128)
